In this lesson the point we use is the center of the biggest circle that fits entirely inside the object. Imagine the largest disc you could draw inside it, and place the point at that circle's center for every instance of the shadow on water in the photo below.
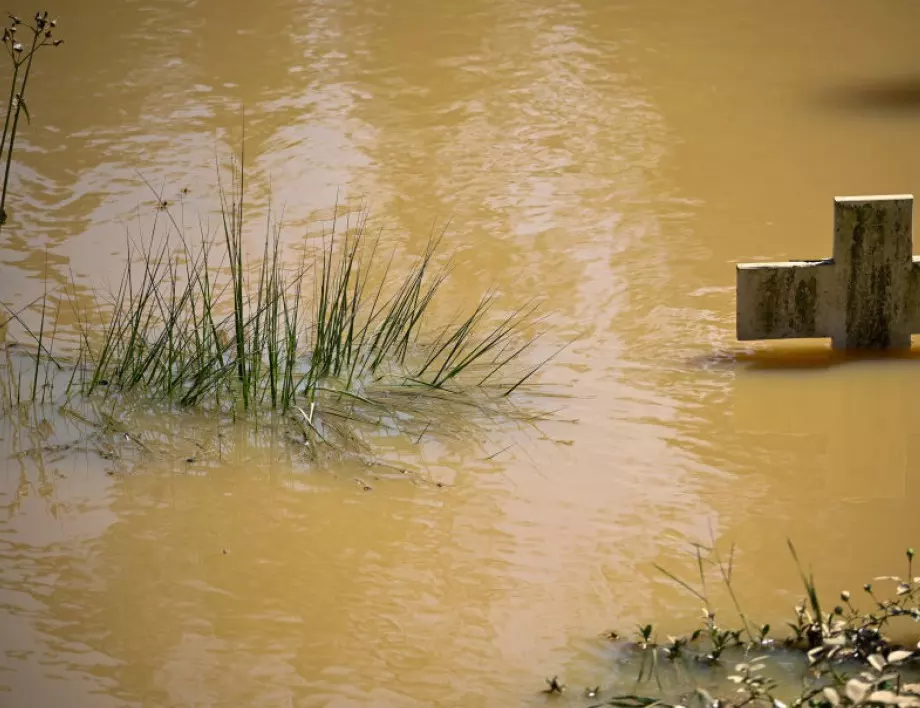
(897, 95)
(793, 357)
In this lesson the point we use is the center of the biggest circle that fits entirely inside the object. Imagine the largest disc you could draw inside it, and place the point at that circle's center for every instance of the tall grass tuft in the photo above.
(337, 335)
(28, 377)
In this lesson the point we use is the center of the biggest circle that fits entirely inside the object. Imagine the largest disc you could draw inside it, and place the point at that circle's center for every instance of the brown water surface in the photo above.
(614, 158)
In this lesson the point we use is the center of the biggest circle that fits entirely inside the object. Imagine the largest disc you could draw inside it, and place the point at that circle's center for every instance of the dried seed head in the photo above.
(48, 34)
(910, 553)
(17, 47)
(845, 596)
(867, 587)
(58, 42)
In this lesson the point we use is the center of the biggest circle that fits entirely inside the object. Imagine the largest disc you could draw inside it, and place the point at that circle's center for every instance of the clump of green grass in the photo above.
(335, 337)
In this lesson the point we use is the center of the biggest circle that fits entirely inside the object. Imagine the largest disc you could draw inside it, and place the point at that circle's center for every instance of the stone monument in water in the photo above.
(866, 297)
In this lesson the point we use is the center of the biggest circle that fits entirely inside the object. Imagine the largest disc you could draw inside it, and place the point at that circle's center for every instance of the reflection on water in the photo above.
(613, 159)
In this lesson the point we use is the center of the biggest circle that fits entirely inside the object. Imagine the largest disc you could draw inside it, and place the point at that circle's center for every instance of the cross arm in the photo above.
(784, 300)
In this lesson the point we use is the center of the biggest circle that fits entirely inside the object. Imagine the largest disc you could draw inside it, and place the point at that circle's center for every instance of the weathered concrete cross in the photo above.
(866, 297)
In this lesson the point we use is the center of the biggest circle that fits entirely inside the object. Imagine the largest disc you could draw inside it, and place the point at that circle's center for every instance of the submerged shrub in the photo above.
(844, 657)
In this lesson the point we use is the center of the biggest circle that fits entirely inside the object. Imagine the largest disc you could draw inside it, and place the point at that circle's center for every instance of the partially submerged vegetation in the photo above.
(844, 656)
(330, 339)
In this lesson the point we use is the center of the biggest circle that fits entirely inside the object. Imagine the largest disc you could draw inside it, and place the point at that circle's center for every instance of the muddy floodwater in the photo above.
(614, 159)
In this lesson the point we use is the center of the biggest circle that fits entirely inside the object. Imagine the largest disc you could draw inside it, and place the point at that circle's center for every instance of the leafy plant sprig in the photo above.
(21, 52)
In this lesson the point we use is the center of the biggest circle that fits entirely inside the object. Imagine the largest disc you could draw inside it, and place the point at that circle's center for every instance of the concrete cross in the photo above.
(866, 297)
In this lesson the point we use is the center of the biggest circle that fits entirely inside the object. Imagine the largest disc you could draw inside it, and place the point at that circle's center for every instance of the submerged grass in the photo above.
(336, 338)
